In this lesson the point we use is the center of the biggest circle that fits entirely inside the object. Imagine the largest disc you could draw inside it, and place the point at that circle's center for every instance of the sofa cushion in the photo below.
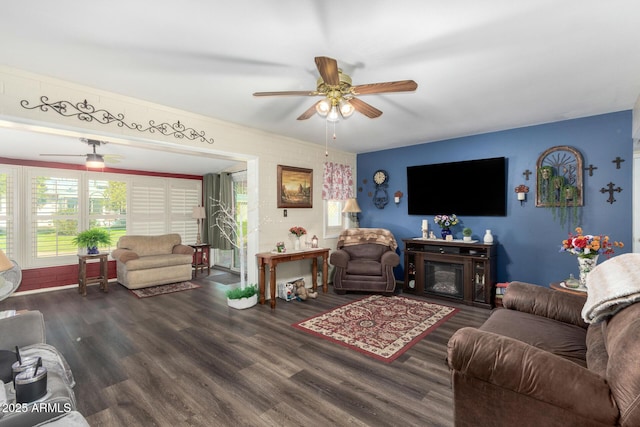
(150, 245)
(156, 261)
(597, 356)
(366, 251)
(622, 340)
(364, 267)
(563, 339)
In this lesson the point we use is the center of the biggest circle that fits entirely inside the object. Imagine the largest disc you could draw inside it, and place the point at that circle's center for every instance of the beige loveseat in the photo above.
(144, 261)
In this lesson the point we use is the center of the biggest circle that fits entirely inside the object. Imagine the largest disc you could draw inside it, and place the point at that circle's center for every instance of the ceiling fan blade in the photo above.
(399, 86)
(309, 113)
(328, 68)
(286, 93)
(112, 158)
(65, 155)
(364, 108)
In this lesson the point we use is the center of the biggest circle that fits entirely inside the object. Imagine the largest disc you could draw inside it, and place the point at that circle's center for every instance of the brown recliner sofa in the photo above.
(536, 362)
(364, 261)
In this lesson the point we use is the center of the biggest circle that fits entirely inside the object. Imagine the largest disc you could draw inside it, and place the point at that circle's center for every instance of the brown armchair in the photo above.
(364, 261)
(537, 363)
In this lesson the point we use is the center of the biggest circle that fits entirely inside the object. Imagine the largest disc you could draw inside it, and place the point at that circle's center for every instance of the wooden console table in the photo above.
(273, 259)
(83, 280)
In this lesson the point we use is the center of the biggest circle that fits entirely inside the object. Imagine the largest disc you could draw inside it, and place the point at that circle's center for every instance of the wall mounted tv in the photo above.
(472, 188)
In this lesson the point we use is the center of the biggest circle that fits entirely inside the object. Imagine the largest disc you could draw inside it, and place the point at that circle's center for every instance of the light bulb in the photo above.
(323, 107)
(346, 109)
(333, 114)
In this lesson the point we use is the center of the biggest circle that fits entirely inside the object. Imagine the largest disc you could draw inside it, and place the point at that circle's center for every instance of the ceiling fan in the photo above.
(339, 94)
(93, 160)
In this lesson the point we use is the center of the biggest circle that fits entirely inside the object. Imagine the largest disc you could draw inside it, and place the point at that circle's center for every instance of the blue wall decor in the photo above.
(528, 238)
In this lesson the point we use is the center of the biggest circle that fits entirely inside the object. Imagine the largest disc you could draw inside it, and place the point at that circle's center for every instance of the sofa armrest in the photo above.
(182, 250)
(21, 330)
(516, 367)
(546, 302)
(124, 255)
(339, 258)
(390, 258)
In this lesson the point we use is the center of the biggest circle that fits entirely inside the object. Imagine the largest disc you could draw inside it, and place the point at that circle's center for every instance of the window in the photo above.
(241, 211)
(183, 197)
(7, 209)
(108, 207)
(54, 214)
(334, 220)
(59, 203)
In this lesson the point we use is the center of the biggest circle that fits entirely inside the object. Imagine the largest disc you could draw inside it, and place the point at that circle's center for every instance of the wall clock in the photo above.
(380, 196)
(380, 177)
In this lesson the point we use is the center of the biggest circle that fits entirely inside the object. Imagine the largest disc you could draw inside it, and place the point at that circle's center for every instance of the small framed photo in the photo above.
(295, 187)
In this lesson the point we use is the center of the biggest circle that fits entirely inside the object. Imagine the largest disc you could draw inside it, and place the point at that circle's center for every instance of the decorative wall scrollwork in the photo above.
(88, 113)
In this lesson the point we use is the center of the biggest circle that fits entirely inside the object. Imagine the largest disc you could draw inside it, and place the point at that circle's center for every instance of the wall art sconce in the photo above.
(521, 191)
(397, 196)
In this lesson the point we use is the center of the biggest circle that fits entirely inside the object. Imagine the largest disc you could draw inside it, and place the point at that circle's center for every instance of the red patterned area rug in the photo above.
(378, 326)
(153, 291)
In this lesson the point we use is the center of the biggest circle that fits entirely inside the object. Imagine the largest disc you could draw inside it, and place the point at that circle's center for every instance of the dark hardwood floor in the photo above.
(187, 359)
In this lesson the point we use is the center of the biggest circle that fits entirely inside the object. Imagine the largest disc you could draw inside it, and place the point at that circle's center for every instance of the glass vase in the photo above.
(585, 265)
(444, 233)
(296, 243)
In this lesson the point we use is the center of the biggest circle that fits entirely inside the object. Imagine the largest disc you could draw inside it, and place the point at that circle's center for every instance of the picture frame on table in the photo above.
(295, 187)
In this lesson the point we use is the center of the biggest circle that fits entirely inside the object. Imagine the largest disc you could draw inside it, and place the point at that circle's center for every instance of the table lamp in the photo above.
(198, 214)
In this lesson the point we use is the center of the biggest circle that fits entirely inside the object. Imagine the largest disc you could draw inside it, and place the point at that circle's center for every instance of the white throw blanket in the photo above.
(612, 286)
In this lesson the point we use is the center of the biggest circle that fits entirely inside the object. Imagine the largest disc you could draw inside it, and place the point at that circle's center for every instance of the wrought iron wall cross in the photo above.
(610, 190)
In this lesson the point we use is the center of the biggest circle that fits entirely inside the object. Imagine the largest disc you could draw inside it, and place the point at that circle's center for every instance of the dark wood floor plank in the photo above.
(188, 359)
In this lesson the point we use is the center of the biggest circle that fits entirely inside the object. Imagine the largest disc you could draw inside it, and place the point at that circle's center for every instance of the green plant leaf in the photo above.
(239, 293)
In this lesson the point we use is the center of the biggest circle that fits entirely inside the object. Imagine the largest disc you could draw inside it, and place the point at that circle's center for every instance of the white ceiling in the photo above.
(480, 66)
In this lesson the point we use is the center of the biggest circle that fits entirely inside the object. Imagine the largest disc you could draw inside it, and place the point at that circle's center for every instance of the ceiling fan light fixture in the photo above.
(346, 109)
(323, 107)
(333, 115)
(95, 161)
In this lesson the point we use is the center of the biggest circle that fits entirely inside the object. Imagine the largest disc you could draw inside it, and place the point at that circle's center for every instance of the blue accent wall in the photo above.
(528, 238)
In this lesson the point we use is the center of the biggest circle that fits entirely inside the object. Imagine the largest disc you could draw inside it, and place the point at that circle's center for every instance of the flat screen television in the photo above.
(472, 188)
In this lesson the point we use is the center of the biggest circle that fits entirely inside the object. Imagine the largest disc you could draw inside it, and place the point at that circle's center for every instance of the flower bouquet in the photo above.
(298, 231)
(588, 245)
(446, 221)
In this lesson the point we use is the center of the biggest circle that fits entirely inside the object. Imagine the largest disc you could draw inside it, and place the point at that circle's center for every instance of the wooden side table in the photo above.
(201, 258)
(556, 286)
(102, 279)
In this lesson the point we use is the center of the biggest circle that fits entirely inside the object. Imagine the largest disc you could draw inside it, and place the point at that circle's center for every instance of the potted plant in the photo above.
(466, 234)
(240, 298)
(91, 239)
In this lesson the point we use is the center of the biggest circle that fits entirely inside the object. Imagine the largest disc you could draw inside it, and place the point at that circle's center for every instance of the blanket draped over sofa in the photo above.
(359, 236)
(613, 285)
(144, 261)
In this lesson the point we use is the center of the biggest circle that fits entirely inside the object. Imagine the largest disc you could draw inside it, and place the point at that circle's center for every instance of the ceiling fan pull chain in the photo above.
(326, 138)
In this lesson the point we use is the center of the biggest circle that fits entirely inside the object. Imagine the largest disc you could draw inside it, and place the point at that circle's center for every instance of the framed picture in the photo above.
(295, 187)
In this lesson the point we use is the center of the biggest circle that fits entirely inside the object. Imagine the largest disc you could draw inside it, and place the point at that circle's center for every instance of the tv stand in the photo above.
(452, 270)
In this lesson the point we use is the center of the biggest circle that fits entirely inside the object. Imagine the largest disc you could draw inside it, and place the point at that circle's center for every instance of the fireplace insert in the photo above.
(444, 279)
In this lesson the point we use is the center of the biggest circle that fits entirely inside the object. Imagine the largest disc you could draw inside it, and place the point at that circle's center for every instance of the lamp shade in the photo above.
(94, 161)
(198, 212)
(323, 107)
(5, 262)
(346, 109)
(351, 206)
